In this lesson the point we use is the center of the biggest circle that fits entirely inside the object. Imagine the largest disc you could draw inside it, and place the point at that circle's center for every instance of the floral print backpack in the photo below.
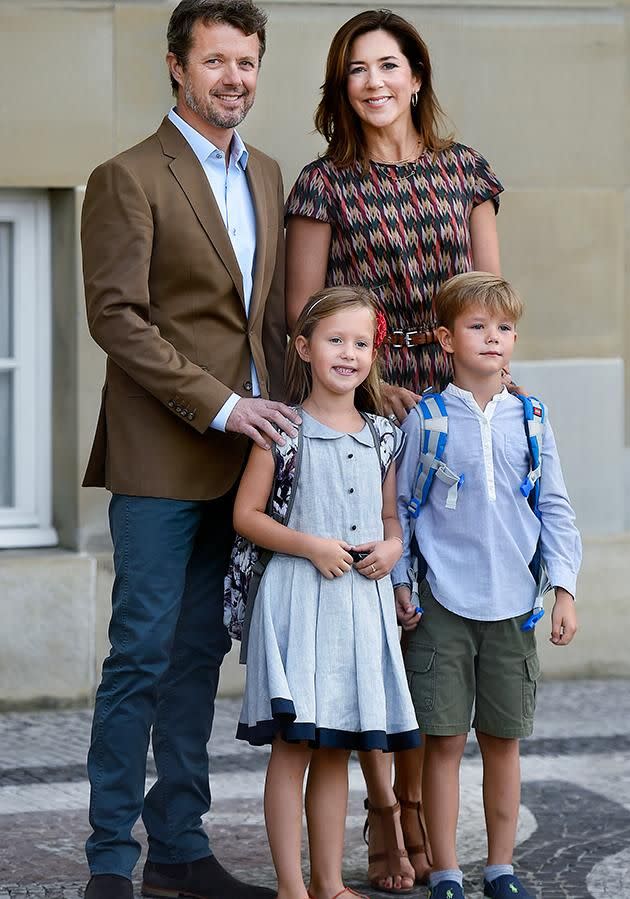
(248, 561)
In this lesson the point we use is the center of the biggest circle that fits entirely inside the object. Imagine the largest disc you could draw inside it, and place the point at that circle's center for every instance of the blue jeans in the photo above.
(168, 641)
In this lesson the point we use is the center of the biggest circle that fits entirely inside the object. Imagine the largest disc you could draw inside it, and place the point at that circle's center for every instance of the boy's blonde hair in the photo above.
(321, 305)
(471, 289)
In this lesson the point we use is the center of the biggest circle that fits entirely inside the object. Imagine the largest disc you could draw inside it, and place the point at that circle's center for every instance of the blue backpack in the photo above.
(434, 433)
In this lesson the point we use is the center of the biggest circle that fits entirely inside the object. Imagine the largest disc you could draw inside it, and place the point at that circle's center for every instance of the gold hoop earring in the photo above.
(414, 99)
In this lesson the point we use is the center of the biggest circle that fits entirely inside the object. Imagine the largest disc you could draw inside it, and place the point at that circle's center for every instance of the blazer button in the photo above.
(178, 409)
(171, 403)
(191, 415)
(247, 385)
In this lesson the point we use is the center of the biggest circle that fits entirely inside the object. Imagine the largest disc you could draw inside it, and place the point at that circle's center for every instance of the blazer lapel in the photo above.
(192, 179)
(255, 179)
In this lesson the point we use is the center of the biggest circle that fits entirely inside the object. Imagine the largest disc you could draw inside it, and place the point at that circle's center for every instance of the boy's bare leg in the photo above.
(326, 807)
(377, 771)
(440, 790)
(501, 795)
(283, 814)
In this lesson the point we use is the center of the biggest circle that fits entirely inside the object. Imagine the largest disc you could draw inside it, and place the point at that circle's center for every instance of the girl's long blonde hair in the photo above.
(321, 305)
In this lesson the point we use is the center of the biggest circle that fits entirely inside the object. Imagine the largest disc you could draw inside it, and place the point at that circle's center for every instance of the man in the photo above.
(183, 265)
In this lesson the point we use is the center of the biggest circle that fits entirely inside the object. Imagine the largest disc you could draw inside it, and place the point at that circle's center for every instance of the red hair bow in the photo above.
(381, 329)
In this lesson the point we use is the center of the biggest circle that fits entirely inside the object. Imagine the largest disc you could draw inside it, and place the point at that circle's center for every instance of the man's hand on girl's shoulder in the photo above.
(255, 418)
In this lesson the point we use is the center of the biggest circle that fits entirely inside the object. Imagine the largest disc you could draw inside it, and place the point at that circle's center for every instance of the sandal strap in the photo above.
(424, 846)
(393, 852)
(383, 856)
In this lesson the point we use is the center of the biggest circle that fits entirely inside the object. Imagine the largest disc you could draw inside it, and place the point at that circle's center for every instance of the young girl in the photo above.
(324, 668)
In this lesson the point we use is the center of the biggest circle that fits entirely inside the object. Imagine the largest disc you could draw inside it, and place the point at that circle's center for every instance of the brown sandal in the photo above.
(392, 860)
(414, 830)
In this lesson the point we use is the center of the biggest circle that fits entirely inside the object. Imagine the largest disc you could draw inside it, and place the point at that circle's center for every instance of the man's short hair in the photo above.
(463, 292)
(241, 14)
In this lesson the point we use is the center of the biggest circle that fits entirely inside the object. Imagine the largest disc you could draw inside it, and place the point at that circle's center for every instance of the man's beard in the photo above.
(205, 110)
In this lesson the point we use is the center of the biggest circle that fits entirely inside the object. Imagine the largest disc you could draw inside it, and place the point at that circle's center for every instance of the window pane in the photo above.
(6, 440)
(6, 289)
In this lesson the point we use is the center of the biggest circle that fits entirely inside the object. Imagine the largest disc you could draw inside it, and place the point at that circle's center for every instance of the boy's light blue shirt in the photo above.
(231, 192)
(478, 554)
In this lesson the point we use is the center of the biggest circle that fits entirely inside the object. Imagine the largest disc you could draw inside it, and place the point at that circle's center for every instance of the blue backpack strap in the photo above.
(431, 411)
(535, 415)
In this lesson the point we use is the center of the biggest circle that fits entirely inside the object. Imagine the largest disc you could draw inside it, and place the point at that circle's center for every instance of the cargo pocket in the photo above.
(420, 666)
(531, 674)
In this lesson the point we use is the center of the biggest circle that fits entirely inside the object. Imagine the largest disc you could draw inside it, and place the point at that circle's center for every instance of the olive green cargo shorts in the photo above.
(455, 664)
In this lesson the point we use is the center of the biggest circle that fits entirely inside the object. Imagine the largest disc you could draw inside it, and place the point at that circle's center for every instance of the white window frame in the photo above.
(28, 523)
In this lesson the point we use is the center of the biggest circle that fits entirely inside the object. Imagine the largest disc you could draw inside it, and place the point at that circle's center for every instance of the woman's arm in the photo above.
(485, 239)
(329, 556)
(308, 246)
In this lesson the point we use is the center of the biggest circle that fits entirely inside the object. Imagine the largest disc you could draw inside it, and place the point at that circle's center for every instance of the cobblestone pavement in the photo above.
(574, 831)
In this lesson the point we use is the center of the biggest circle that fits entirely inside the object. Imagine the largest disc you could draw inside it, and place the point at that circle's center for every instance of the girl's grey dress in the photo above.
(323, 660)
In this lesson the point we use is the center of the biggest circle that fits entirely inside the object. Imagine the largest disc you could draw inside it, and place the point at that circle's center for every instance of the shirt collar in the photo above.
(203, 148)
(311, 427)
(467, 397)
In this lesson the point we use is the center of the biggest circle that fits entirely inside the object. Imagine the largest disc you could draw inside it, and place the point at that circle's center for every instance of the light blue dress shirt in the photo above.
(231, 192)
(478, 553)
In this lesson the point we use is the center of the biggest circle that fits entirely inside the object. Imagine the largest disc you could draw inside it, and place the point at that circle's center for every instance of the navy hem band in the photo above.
(283, 723)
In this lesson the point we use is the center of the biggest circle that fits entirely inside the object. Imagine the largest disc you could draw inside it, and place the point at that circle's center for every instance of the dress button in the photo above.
(247, 385)
(351, 490)
(353, 528)
(350, 455)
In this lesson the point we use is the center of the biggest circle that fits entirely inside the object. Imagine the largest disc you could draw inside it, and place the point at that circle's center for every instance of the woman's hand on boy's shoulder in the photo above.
(563, 618)
(398, 401)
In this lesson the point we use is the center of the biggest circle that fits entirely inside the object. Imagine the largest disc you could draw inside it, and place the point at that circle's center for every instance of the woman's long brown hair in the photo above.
(337, 121)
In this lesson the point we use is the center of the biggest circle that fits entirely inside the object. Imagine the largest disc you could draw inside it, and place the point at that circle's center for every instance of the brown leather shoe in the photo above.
(201, 879)
(108, 886)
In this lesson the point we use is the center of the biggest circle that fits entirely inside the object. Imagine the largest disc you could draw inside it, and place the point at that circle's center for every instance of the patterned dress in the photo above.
(401, 230)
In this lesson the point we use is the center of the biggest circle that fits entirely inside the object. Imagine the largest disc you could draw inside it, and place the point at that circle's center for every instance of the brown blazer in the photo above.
(164, 300)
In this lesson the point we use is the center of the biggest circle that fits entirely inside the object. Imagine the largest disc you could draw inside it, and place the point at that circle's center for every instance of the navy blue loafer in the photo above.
(507, 886)
(448, 889)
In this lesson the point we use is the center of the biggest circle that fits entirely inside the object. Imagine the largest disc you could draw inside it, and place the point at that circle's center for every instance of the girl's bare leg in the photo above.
(501, 795)
(377, 771)
(326, 807)
(408, 789)
(283, 814)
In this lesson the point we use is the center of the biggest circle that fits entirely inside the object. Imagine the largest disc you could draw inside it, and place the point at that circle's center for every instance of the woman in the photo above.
(395, 207)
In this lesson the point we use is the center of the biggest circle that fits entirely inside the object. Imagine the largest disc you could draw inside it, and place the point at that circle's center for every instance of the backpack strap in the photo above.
(384, 437)
(431, 411)
(288, 461)
(535, 415)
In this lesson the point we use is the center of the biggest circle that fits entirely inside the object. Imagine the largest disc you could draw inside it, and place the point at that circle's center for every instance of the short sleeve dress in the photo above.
(401, 230)
(324, 662)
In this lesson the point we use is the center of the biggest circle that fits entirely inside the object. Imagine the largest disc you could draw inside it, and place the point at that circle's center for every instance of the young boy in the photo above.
(468, 649)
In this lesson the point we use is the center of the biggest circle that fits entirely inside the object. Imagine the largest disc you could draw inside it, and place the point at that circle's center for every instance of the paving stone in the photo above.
(574, 832)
